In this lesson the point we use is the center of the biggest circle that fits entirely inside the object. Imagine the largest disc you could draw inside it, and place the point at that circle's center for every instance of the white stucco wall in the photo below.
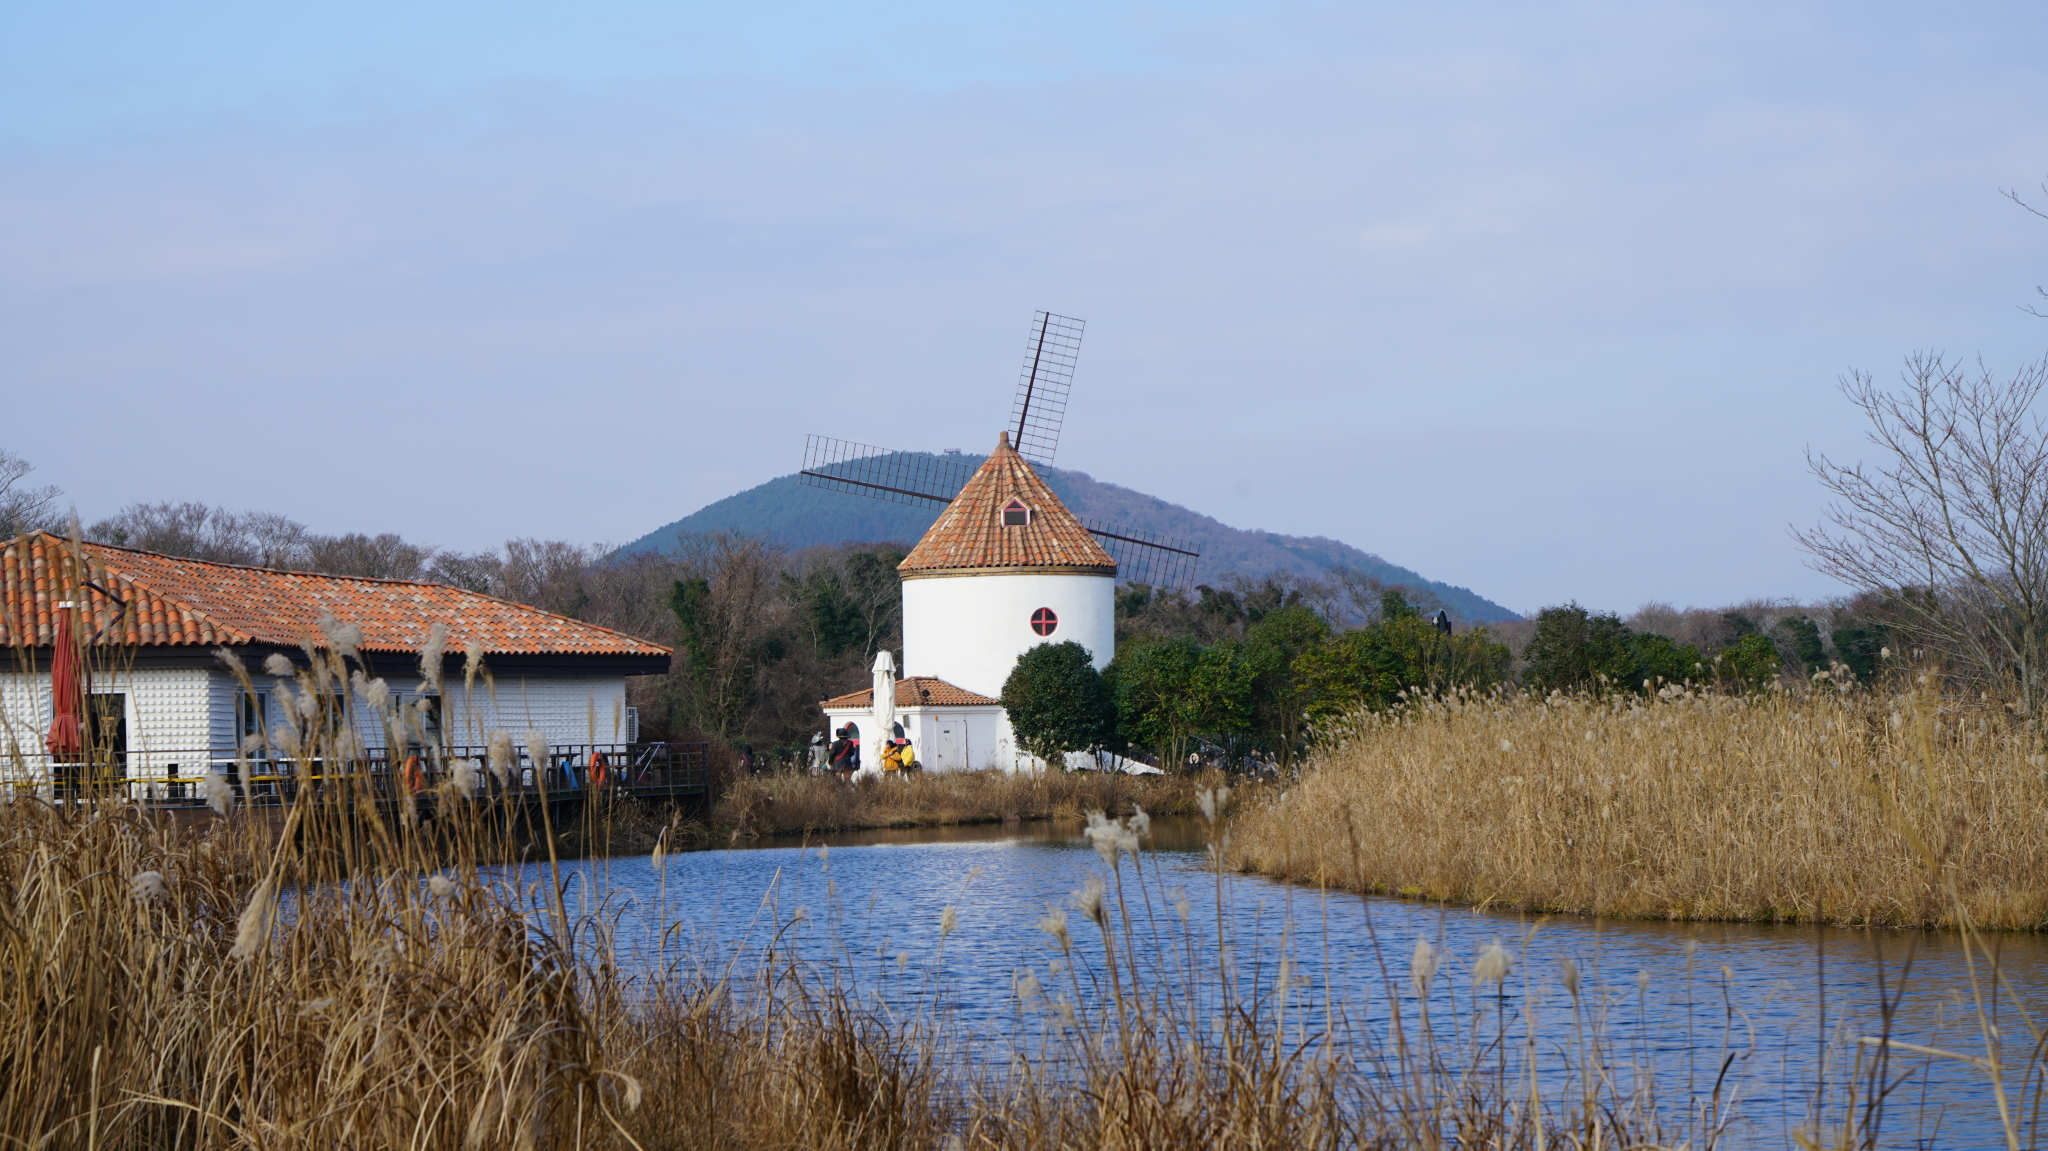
(969, 629)
(981, 741)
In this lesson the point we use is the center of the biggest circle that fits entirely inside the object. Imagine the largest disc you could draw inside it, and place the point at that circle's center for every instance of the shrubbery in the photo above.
(1256, 694)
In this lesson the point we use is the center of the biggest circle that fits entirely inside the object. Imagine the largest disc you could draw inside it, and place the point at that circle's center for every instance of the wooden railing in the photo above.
(173, 778)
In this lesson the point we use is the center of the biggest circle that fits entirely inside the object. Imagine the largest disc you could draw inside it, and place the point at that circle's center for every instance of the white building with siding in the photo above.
(162, 703)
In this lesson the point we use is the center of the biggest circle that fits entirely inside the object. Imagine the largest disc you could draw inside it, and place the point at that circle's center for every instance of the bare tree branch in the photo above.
(1951, 527)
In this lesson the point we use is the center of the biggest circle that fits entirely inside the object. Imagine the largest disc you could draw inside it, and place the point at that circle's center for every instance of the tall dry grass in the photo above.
(364, 979)
(1895, 809)
(786, 803)
(152, 996)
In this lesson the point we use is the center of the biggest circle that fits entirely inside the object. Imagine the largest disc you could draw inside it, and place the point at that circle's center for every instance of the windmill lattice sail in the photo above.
(922, 479)
(1147, 558)
(1041, 405)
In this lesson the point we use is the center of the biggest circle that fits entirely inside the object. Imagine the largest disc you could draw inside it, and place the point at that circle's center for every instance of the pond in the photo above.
(1766, 1003)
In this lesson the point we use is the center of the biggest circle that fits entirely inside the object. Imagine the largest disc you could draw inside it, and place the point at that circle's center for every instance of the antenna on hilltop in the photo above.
(1049, 358)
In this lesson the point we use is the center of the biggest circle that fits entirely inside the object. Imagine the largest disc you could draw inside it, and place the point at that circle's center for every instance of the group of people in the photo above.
(844, 755)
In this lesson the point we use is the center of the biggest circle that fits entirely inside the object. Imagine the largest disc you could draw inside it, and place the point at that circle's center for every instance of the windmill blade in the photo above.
(1041, 406)
(1147, 558)
(920, 479)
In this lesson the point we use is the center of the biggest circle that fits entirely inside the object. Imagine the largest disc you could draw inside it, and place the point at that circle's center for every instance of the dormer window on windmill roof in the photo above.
(1016, 515)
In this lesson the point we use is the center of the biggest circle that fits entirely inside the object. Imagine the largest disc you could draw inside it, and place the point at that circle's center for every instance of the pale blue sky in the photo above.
(1543, 300)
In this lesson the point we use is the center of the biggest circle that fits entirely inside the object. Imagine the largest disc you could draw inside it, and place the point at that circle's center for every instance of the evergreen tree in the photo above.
(1574, 650)
(1058, 702)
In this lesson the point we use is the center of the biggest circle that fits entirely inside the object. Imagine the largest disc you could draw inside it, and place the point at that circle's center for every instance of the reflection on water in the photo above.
(1687, 1000)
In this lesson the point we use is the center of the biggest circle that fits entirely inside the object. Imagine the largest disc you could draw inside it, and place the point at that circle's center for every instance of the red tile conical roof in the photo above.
(972, 533)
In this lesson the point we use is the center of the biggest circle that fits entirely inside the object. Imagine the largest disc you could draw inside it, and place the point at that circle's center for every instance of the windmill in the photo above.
(923, 479)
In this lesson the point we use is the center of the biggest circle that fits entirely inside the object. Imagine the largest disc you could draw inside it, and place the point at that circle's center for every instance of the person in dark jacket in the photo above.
(845, 752)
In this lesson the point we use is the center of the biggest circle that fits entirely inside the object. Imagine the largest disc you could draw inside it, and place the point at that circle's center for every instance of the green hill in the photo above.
(799, 516)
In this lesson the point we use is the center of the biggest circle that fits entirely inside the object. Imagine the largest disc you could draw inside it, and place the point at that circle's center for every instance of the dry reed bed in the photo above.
(787, 803)
(156, 991)
(1846, 808)
(151, 996)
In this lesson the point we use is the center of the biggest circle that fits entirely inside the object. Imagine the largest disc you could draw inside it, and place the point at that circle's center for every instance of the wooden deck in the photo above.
(571, 775)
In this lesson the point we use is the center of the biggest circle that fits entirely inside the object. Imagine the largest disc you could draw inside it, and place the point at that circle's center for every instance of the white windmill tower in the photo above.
(1006, 567)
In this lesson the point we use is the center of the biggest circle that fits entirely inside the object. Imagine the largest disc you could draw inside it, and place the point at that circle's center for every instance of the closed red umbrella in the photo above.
(67, 691)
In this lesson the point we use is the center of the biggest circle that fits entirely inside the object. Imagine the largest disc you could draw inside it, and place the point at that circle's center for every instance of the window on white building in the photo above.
(422, 724)
(1015, 514)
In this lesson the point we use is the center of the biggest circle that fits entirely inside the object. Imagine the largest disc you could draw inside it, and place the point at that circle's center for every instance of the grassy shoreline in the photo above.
(791, 804)
(1852, 809)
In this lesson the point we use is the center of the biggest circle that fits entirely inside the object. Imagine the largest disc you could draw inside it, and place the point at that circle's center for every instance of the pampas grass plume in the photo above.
(147, 886)
(500, 752)
(1054, 923)
(1422, 966)
(1102, 833)
(253, 931)
(1089, 900)
(1493, 964)
(215, 790)
(464, 777)
(442, 887)
(537, 748)
(277, 664)
(344, 639)
(1213, 802)
(430, 656)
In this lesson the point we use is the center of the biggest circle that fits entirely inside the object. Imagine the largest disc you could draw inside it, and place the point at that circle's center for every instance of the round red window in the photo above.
(1044, 622)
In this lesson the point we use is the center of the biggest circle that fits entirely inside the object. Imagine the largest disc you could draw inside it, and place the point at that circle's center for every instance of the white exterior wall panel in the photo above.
(24, 720)
(969, 629)
(180, 720)
(974, 739)
(169, 713)
(580, 709)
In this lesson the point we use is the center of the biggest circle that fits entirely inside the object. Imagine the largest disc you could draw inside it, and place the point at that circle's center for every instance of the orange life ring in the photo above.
(600, 771)
(412, 773)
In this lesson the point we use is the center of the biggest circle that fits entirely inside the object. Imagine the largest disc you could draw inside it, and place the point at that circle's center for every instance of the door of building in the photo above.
(106, 746)
(949, 743)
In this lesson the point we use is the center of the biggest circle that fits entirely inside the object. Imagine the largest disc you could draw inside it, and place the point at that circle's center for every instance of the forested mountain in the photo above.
(798, 516)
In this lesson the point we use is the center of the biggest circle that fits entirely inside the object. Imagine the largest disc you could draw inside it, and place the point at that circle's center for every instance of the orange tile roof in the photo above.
(943, 694)
(970, 532)
(173, 601)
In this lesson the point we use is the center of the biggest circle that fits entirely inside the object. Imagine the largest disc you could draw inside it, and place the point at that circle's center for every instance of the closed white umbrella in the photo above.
(872, 746)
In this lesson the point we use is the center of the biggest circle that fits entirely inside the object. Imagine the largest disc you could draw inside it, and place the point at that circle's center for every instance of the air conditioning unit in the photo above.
(632, 725)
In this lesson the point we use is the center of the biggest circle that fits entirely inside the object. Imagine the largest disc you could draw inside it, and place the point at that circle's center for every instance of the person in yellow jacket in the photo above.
(899, 756)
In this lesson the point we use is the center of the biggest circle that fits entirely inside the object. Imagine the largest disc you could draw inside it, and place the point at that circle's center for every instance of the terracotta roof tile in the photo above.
(943, 694)
(172, 601)
(970, 533)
